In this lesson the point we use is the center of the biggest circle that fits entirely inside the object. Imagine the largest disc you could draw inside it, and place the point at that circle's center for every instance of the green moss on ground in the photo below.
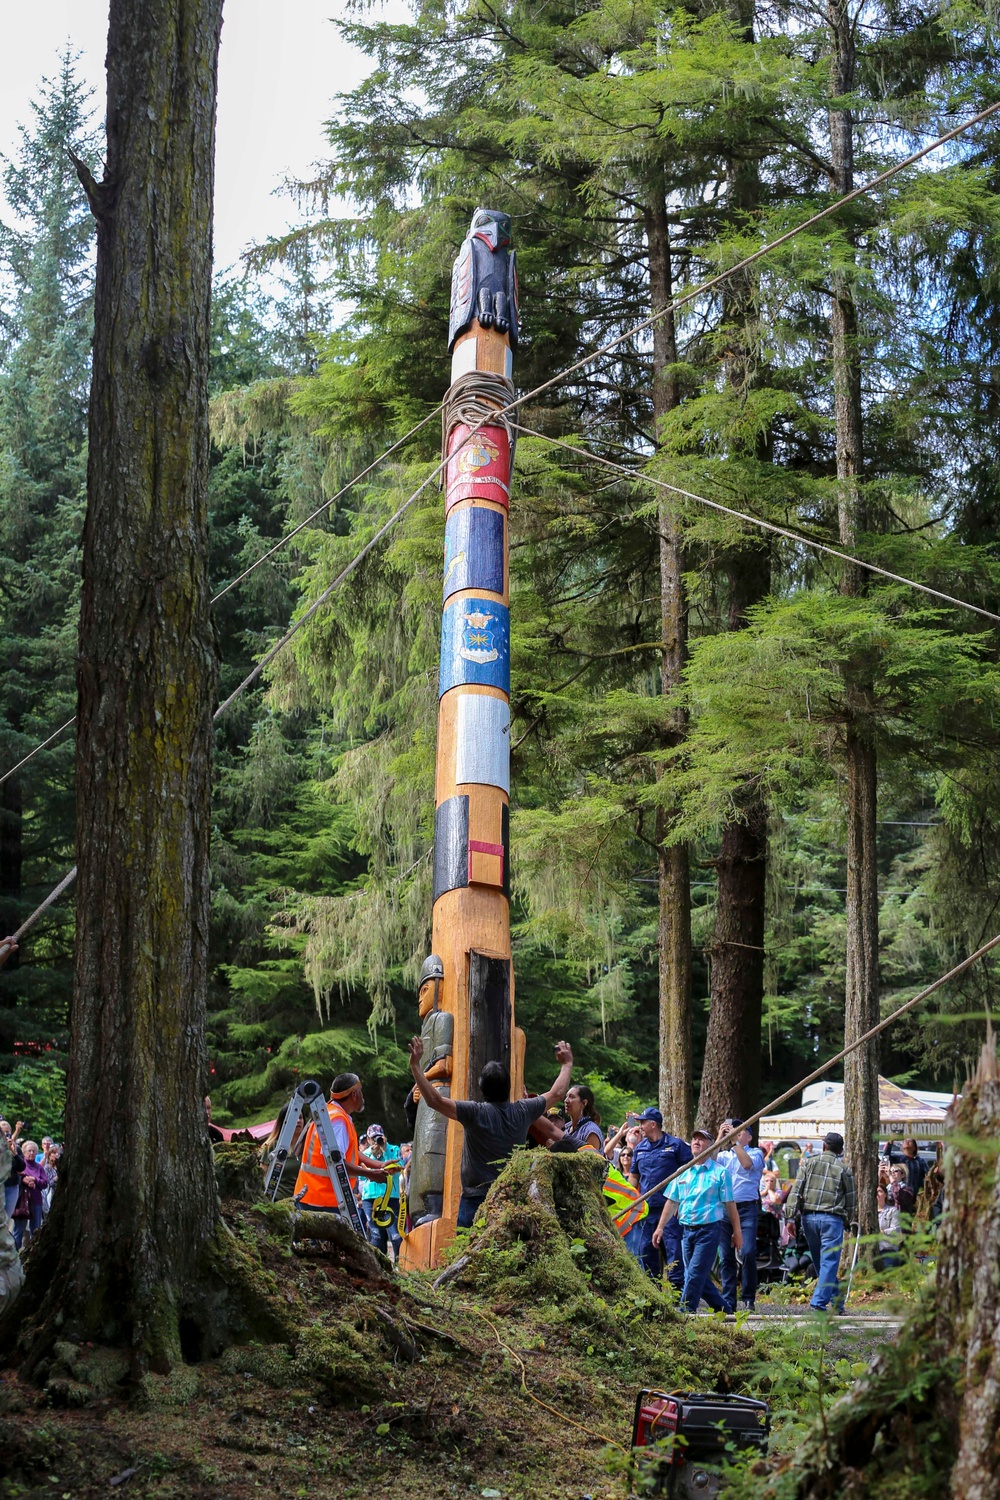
(388, 1384)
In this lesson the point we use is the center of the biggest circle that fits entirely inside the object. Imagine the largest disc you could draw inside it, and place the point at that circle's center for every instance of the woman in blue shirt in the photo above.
(584, 1121)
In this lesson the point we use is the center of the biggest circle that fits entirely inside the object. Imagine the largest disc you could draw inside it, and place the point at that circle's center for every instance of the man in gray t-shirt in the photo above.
(492, 1128)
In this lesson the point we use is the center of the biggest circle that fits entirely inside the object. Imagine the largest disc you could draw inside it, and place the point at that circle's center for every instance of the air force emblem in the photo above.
(477, 641)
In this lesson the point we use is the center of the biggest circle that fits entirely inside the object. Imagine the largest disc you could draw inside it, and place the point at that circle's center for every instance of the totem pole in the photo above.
(466, 993)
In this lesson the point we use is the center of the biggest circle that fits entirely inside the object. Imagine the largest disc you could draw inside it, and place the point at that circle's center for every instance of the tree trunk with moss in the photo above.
(126, 1256)
(730, 1079)
(861, 1008)
(926, 1418)
(968, 1284)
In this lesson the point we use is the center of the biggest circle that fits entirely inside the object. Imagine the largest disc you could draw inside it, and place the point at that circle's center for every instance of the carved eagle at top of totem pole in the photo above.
(484, 278)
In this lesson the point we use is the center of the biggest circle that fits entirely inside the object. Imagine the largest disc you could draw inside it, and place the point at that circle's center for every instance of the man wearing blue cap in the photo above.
(655, 1157)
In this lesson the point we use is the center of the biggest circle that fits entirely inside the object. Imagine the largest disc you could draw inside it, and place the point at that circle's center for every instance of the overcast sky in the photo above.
(280, 66)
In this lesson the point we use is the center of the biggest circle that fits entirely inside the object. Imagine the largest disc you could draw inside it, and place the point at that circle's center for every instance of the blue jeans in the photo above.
(633, 1240)
(32, 1225)
(825, 1236)
(652, 1257)
(380, 1237)
(749, 1214)
(467, 1210)
(700, 1244)
(10, 1196)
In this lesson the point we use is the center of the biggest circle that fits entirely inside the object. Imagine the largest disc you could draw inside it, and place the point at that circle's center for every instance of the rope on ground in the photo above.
(742, 515)
(537, 1399)
(803, 1083)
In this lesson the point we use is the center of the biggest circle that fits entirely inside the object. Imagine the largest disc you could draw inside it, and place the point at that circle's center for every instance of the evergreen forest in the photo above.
(754, 734)
(639, 151)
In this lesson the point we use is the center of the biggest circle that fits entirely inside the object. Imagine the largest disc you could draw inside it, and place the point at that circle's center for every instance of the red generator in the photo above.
(682, 1439)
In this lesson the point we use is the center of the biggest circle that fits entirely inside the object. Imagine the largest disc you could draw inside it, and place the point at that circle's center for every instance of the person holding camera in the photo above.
(746, 1166)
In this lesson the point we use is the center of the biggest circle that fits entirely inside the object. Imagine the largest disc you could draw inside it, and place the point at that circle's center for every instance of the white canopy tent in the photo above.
(900, 1114)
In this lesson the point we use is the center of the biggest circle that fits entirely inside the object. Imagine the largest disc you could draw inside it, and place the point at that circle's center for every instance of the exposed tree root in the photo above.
(231, 1297)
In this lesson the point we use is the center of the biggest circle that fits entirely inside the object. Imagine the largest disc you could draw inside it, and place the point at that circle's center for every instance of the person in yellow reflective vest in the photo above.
(347, 1098)
(620, 1196)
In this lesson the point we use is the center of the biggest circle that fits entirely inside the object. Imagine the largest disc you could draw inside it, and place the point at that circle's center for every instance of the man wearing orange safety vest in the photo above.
(347, 1098)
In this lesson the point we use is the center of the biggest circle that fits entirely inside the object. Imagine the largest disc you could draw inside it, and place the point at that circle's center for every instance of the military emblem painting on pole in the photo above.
(474, 550)
(478, 465)
(475, 645)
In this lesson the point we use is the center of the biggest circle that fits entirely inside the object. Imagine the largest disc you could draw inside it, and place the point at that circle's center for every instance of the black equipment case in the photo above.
(687, 1437)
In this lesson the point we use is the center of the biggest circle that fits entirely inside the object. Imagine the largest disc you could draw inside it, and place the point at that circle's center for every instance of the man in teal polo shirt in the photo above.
(702, 1199)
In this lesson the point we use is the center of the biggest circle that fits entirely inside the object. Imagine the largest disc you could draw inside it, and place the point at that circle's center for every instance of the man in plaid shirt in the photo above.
(823, 1193)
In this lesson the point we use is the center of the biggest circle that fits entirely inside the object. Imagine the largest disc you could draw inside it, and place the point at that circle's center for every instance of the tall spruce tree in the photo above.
(46, 266)
(133, 1253)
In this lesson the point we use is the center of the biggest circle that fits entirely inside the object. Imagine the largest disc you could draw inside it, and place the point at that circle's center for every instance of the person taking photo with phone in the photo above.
(745, 1164)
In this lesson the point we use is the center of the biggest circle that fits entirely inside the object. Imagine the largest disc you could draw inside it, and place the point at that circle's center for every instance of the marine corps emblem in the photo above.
(477, 454)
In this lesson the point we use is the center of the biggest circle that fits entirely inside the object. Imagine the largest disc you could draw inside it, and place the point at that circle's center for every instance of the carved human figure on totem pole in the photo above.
(430, 1135)
(484, 278)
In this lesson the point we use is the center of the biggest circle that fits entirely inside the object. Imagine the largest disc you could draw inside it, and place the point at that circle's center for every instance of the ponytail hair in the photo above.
(587, 1097)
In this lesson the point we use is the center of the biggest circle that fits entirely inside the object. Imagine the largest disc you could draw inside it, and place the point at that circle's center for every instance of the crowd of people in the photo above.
(712, 1216)
(31, 1180)
(683, 1226)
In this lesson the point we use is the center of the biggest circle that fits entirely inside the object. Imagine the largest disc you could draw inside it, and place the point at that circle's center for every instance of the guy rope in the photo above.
(831, 1062)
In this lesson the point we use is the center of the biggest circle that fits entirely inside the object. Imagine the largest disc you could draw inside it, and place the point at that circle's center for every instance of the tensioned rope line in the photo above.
(831, 1062)
(283, 542)
(67, 880)
(742, 515)
(756, 255)
(39, 748)
(672, 306)
(324, 596)
(51, 898)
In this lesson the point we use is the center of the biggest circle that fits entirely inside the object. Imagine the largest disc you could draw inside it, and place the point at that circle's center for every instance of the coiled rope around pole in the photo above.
(478, 398)
(803, 1083)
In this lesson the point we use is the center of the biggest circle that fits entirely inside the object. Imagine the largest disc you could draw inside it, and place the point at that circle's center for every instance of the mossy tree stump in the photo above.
(544, 1233)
